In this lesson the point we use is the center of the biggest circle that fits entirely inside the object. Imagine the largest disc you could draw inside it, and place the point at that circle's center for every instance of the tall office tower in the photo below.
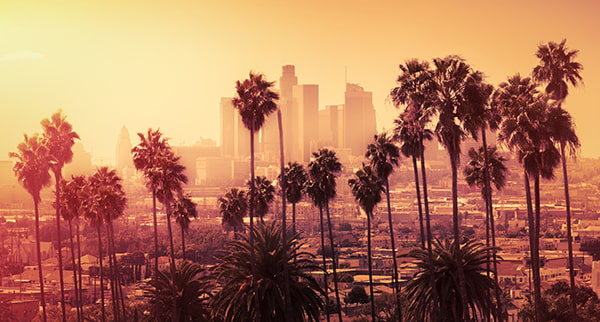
(359, 119)
(289, 112)
(330, 125)
(306, 103)
(235, 138)
(124, 161)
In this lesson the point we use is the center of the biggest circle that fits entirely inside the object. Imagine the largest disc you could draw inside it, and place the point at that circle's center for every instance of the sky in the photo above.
(166, 64)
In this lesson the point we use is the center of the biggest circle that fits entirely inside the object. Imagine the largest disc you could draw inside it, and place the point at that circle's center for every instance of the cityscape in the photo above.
(465, 198)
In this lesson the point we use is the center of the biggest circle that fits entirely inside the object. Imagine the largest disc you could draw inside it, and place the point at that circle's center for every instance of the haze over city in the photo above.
(109, 64)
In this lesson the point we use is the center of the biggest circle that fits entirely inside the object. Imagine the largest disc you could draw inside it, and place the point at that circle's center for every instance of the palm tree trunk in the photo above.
(569, 234)
(172, 259)
(75, 284)
(370, 263)
(326, 287)
(462, 288)
(101, 273)
(283, 214)
(393, 244)
(251, 212)
(57, 177)
(155, 229)
(419, 206)
(532, 245)
(183, 242)
(39, 256)
(79, 269)
(294, 218)
(435, 294)
(334, 261)
(113, 274)
(536, 277)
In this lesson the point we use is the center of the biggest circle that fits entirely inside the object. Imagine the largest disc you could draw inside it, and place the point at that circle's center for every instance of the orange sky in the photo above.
(167, 63)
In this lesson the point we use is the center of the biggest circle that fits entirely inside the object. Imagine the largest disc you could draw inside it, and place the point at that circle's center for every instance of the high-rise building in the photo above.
(359, 119)
(330, 125)
(289, 112)
(124, 160)
(234, 138)
(306, 103)
(81, 164)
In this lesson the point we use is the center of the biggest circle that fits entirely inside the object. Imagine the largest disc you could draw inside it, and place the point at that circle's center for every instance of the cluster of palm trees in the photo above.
(447, 99)
(452, 101)
(98, 198)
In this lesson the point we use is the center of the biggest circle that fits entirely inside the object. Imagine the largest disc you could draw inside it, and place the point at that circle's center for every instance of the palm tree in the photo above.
(478, 174)
(322, 171)
(184, 209)
(557, 69)
(31, 167)
(526, 130)
(70, 206)
(59, 137)
(418, 291)
(233, 207)
(233, 274)
(367, 188)
(108, 203)
(383, 155)
(192, 295)
(295, 179)
(452, 76)
(146, 158)
(255, 100)
(264, 194)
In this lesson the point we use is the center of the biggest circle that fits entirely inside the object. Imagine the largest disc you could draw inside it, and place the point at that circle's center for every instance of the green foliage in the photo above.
(592, 246)
(357, 295)
(418, 291)
(556, 300)
(233, 276)
(192, 292)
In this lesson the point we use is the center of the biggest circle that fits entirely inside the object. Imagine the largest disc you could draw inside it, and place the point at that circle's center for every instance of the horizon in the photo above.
(149, 65)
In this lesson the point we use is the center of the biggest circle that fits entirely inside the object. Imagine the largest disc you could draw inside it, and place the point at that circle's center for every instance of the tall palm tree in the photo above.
(255, 100)
(264, 194)
(108, 204)
(31, 167)
(170, 184)
(192, 295)
(295, 179)
(452, 75)
(557, 69)
(184, 209)
(367, 188)
(70, 205)
(383, 155)
(478, 174)
(416, 90)
(525, 129)
(146, 158)
(59, 137)
(233, 275)
(418, 291)
(322, 171)
(233, 207)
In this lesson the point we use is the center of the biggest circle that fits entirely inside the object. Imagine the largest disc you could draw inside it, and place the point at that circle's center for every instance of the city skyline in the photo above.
(141, 65)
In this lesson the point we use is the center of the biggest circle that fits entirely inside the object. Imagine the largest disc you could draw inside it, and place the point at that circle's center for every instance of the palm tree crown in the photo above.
(233, 272)
(264, 194)
(32, 164)
(255, 100)
(557, 69)
(233, 207)
(295, 177)
(383, 155)
(474, 169)
(60, 137)
(366, 188)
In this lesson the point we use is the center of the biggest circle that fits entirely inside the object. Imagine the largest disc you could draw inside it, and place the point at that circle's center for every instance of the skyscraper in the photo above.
(359, 119)
(306, 103)
(234, 137)
(124, 160)
(287, 81)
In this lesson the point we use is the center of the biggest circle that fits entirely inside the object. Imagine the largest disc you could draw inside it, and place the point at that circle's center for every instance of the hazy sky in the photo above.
(167, 63)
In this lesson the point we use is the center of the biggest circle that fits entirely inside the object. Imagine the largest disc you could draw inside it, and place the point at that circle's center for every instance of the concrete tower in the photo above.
(124, 160)
(359, 119)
